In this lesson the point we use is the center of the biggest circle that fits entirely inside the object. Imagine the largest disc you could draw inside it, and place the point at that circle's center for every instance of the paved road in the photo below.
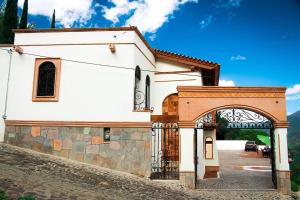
(234, 173)
(46, 177)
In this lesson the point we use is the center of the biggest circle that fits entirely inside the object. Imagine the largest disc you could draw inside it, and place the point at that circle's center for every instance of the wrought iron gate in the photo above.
(165, 151)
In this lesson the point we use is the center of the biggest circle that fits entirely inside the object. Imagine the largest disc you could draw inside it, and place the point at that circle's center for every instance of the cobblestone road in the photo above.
(234, 176)
(46, 177)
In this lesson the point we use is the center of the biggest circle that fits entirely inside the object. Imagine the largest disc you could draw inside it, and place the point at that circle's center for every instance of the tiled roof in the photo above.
(185, 59)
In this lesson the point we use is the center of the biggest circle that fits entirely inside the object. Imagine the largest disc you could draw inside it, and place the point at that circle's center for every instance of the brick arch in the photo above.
(237, 106)
(170, 104)
(195, 101)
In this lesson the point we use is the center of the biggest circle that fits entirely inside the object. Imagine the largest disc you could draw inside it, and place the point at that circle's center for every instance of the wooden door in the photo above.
(171, 140)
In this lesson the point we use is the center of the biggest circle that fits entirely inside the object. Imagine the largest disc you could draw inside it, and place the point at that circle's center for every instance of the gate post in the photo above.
(282, 163)
(200, 154)
(187, 166)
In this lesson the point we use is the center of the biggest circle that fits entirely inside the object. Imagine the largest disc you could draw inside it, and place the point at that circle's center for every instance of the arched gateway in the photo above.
(207, 166)
(197, 107)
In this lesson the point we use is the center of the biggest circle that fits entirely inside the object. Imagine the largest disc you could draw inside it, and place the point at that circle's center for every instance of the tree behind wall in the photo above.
(23, 23)
(1, 23)
(10, 21)
(53, 19)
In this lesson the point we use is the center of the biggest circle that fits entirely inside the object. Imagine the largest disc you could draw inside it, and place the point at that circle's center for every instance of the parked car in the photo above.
(250, 146)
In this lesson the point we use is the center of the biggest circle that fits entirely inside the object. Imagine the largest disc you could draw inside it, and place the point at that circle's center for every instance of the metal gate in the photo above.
(165, 151)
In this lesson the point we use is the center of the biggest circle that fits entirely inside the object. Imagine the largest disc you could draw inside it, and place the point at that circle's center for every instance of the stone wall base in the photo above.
(187, 179)
(129, 149)
(283, 182)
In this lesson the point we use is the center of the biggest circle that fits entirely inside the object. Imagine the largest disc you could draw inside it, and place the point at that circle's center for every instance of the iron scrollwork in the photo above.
(205, 120)
(237, 118)
(139, 100)
(165, 151)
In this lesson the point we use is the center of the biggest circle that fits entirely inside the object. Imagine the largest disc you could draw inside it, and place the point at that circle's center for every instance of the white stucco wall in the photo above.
(186, 150)
(231, 144)
(4, 66)
(87, 92)
(166, 84)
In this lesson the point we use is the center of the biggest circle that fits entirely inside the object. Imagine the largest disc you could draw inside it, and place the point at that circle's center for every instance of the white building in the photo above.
(92, 95)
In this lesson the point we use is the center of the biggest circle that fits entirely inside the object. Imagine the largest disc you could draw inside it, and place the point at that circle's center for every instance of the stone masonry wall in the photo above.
(128, 150)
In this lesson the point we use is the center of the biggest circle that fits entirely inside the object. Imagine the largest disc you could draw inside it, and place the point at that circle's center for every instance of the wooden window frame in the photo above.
(57, 64)
(212, 146)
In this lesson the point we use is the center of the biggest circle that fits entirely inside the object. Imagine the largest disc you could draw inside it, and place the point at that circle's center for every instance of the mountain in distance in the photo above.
(294, 128)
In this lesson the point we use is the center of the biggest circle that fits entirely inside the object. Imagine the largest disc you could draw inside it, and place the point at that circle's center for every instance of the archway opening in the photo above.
(240, 148)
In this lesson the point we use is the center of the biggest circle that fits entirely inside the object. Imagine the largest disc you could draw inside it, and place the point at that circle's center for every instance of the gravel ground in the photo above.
(233, 176)
(25, 172)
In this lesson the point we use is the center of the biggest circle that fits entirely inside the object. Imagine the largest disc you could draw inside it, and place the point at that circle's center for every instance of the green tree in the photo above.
(222, 129)
(23, 23)
(10, 21)
(53, 19)
(1, 23)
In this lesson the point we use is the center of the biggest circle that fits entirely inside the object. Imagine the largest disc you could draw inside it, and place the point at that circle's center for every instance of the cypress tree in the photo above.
(23, 23)
(53, 19)
(10, 21)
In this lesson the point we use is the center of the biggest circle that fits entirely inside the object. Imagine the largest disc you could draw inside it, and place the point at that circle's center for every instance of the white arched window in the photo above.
(137, 94)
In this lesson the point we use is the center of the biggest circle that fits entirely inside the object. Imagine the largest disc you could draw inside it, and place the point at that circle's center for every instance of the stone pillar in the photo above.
(200, 154)
(187, 166)
(282, 164)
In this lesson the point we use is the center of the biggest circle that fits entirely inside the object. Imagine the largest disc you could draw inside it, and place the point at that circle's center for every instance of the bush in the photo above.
(29, 197)
(26, 197)
(3, 196)
(295, 186)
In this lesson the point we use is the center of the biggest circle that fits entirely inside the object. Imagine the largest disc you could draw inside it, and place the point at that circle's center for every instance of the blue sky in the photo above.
(257, 42)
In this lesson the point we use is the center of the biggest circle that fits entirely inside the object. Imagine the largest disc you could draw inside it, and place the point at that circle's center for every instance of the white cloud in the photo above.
(152, 37)
(229, 3)
(226, 83)
(205, 22)
(67, 11)
(293, 93)
(238, 57)
(294, 97)
(293, 90)
(147, 15)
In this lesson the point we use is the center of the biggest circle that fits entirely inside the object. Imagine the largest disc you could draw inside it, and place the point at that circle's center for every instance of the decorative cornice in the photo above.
(131, 28)
(281, 124)
(185, 124)
(229, 89)
(231, 92)
(79, 124)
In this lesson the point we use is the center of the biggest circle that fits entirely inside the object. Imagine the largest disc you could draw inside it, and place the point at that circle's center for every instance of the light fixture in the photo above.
(112, 48)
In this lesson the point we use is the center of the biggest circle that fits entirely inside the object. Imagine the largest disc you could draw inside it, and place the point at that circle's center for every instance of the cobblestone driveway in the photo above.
(233, 176)
(46, 177)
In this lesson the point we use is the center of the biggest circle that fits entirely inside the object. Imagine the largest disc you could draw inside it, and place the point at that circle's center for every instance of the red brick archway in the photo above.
(194, 102)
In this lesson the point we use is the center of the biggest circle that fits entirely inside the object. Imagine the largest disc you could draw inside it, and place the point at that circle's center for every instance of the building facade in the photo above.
(103, 96)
